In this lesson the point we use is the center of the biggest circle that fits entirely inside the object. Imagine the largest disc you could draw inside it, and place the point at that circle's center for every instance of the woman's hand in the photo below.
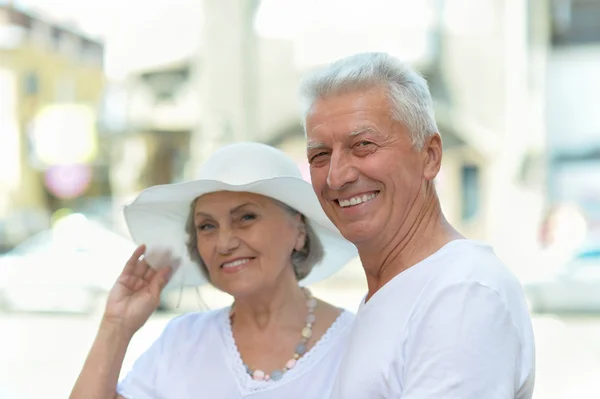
(136, 294)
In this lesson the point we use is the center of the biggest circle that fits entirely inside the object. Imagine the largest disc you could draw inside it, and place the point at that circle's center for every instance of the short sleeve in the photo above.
(462, 344)
(142, 380)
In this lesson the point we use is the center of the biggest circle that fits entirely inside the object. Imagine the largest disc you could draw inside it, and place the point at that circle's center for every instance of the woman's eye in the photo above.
(204, 226)
(248, 216)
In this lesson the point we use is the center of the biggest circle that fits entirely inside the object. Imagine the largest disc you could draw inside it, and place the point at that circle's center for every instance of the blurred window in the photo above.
(470, 192)
(575, 22)
(32, 83)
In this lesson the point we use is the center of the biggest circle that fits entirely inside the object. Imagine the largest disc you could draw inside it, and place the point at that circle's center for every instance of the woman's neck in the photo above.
(284, 305)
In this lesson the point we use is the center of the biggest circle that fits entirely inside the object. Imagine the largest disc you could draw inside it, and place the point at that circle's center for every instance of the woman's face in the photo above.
(246, 241)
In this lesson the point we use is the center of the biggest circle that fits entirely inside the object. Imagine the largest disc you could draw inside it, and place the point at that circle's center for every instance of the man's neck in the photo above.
(385, 259)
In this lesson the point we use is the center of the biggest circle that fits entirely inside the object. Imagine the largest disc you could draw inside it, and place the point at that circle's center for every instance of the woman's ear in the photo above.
(301, 238)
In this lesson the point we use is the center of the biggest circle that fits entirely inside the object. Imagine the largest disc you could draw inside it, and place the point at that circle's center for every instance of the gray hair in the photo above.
(408, 90)
(303, 260)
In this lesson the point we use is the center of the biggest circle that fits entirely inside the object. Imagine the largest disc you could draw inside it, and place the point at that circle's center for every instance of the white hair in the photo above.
(408, 90)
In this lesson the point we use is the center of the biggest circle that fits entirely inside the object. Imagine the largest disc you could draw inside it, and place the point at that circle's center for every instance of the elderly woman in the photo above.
(254, 229)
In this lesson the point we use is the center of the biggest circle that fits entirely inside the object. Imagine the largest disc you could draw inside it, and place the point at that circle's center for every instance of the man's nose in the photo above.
(341, 171)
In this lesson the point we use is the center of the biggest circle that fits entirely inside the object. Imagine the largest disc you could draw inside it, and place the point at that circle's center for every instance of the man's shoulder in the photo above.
(469, 261)
(472, 267)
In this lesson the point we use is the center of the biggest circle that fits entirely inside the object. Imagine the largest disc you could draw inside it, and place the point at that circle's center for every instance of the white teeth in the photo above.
(236, 263)
(357, 200)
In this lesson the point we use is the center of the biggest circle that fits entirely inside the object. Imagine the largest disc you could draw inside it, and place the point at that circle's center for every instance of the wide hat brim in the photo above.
(157, 218)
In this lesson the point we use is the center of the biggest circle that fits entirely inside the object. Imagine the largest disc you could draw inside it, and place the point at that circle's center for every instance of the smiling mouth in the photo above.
(236, 263)
(357, 200)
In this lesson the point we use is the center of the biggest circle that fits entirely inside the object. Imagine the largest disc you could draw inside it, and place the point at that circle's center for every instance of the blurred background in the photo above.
(100, 99)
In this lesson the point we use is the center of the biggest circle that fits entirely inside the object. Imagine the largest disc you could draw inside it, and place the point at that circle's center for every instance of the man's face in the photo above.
(364, 168)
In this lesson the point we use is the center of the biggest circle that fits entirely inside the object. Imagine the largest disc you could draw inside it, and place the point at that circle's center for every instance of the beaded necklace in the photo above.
(300, 350)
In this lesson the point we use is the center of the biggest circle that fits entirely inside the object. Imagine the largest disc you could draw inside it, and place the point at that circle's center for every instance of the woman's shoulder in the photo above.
(334, 314)
(338, 330)
(333, 323)
(346, 317)
(194, 323)
(343, 321)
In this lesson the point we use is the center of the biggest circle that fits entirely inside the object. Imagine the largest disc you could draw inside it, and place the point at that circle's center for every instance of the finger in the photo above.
(133, 260)
(131, 282)
(140, 268)
(160, 280)
(162, 277)
(149, 274)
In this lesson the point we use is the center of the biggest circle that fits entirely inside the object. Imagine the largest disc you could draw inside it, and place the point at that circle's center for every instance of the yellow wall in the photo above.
(50, 66)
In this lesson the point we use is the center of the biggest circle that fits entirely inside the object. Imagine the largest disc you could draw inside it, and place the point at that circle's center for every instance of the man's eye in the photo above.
(314, 157)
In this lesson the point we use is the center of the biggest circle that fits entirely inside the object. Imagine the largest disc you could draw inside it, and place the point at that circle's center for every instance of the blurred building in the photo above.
(51, 81)
(487, 92)
(484, 62)
(163, 121)
(498, 71)
(515, 82)
(158, 110)
(571, 108)
(243, 86)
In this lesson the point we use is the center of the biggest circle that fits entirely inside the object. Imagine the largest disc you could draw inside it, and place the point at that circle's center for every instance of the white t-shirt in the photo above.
(196, 357)
(454, 326)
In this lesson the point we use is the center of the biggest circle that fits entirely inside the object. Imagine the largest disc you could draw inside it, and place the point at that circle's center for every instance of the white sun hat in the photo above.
(157, 217)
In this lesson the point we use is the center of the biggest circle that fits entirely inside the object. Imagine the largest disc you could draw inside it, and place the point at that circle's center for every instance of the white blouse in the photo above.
(196, 357)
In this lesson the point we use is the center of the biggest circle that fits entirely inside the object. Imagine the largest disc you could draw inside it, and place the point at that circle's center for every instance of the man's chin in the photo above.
(357, 232)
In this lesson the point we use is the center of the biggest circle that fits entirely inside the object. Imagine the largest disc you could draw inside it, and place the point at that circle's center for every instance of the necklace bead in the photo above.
(258, 375)
(276, 375)
(300, 350)
(307, 332)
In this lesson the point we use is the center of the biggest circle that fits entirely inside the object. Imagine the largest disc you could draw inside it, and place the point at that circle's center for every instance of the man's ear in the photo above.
(432, 151)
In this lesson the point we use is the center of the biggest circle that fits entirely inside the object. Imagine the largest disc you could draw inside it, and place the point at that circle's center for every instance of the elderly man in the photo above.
(443, 316)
